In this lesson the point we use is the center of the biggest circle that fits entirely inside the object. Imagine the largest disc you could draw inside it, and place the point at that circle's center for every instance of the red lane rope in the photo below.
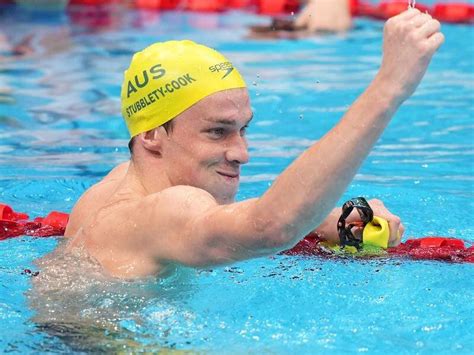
(427, 248)
(450, 12)
(453, 12)
(14, 224)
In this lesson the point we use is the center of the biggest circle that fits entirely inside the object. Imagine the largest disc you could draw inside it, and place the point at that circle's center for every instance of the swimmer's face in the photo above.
(207, 144)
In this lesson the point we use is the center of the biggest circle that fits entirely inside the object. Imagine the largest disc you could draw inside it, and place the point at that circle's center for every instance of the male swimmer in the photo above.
(316, 16)
(187, 109)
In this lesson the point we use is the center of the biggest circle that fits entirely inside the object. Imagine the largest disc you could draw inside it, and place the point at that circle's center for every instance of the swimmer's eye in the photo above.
(220, 132)
(216, 133)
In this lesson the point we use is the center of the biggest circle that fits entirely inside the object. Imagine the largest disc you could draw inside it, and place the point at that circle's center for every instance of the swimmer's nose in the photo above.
(238, 152)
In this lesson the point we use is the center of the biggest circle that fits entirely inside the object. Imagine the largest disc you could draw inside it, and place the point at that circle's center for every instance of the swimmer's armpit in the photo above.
(283, 29)
(277, 25)
(279, 28)
(319, 16)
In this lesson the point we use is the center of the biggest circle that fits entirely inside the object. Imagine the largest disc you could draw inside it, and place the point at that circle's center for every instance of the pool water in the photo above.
(61, 131)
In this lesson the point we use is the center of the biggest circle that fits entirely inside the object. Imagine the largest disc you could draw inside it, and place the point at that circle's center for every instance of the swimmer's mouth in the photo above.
(229, 175)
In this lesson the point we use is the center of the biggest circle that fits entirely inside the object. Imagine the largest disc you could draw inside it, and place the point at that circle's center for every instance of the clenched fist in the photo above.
(410, 40)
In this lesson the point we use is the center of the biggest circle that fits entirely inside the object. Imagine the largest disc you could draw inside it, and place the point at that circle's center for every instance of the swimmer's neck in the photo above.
(146, 179)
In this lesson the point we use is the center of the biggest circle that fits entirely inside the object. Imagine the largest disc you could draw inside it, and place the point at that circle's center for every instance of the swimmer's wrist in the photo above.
(386, 92)
(328, 229)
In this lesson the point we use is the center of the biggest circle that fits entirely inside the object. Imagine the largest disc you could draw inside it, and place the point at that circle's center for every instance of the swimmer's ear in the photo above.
(152, 140)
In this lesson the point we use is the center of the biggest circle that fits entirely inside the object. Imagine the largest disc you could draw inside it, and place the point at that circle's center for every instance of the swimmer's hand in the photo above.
(397, 229)
(328, 229)
(410, 40)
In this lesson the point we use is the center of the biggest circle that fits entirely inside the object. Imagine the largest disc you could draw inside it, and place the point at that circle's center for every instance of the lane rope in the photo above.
(450, 12)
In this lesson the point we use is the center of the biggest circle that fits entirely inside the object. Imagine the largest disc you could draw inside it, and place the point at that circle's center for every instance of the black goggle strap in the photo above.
(346, 237)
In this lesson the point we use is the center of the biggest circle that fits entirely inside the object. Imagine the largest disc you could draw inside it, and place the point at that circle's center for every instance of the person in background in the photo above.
(317, 16)
(325, 15)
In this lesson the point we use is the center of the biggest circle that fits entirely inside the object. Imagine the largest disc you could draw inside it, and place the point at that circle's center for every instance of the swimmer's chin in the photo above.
(225, 200)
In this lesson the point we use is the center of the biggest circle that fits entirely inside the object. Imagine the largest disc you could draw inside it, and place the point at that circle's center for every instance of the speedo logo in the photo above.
(226, 66)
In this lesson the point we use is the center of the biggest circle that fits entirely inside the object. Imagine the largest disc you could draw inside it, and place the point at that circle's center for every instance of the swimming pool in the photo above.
(61, 130)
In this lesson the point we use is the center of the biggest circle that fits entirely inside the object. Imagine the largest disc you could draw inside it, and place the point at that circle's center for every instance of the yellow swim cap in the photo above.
(167, 78)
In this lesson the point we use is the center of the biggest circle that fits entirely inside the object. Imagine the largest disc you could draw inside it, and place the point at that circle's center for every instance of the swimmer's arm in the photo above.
(305, 193)
(186, 225)
(307, 190)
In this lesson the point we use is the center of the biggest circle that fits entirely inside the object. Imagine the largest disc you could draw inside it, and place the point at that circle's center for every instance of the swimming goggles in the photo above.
(346, 237)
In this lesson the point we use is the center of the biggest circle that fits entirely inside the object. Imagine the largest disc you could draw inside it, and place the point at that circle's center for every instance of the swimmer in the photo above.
(187, 109)
(15, 51)
(316, 16)
(325, 15)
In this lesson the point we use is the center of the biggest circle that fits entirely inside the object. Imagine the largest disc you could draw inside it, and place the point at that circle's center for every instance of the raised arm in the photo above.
(205, 233)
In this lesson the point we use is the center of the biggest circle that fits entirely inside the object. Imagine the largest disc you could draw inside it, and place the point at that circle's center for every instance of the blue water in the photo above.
(61, 131)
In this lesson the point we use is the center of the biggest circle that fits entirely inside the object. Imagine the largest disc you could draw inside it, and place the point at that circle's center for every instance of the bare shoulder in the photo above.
(139, 222)
(94, 197)
(119, 171)
(143, 235)
(180, 199)
(131, 237)
(167, 212)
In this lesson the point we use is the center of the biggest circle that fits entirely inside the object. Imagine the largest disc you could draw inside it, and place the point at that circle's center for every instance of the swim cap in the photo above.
(167, 78)
(376, 233)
